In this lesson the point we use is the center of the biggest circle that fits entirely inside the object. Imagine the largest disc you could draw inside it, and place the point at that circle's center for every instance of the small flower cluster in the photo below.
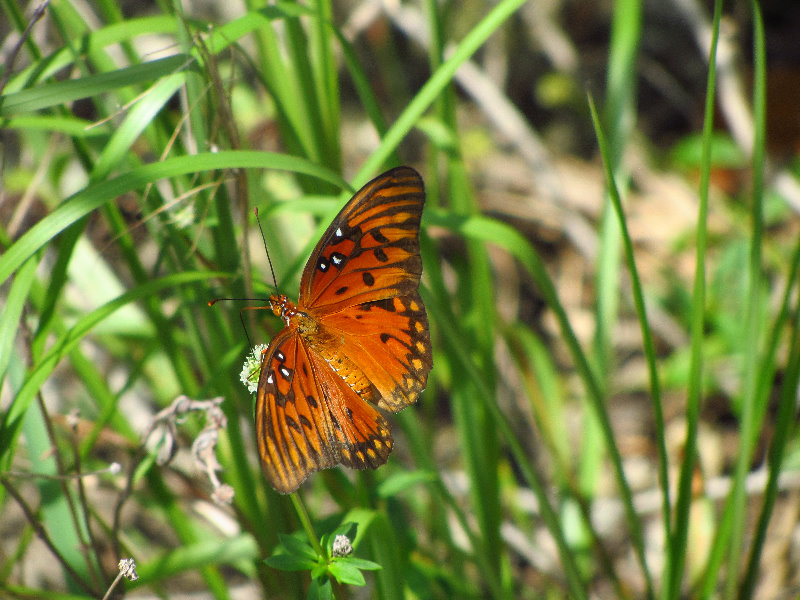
(252, 368)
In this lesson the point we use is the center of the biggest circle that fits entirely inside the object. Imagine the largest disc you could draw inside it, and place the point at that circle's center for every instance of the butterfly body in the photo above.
(356, 339)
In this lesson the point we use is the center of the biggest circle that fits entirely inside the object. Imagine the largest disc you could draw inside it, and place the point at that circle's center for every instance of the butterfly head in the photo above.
(278, 303)
(282, 307)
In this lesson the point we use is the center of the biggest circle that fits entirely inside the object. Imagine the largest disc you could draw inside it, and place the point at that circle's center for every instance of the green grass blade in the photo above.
(72, 337)
(649, 352)
(56, 94)
(677, 546)
(434, 86)
(136, 121)
(11, 317)
(94, 196)
(750, 414)
(785, 418)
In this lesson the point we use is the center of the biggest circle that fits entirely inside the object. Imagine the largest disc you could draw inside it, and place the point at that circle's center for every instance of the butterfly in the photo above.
(356, 341)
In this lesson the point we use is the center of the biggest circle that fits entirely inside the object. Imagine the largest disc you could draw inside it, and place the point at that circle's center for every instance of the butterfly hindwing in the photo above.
(390, 343)
(362, 436)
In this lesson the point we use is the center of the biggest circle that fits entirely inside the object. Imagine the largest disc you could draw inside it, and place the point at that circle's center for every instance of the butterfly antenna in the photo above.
(266, 250)
(241, 311)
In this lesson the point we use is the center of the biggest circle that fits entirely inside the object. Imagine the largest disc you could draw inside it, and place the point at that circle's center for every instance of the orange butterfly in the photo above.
(357, 338)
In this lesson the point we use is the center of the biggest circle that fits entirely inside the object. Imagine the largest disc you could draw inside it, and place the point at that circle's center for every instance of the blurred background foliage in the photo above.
(611, 411)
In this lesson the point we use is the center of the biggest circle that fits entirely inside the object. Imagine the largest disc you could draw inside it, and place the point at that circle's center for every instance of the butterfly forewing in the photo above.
(357, 337)
(371, 249)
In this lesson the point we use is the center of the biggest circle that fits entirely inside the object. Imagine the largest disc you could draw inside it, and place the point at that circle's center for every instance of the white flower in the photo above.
(251, 370)
(341, 546)
(127, 568)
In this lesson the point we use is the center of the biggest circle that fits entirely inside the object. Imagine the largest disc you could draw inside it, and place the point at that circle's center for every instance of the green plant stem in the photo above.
(302, 514)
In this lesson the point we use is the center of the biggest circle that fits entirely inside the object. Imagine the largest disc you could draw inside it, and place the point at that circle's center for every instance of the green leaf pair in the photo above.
(294, 554)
